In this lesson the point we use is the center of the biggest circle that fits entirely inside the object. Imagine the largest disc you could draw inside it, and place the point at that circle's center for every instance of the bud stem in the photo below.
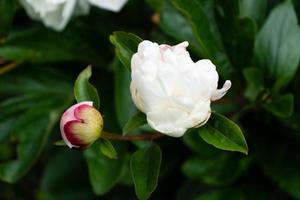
(112, 136)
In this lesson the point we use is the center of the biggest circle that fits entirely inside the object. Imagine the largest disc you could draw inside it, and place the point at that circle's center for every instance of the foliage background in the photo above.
(255, 43)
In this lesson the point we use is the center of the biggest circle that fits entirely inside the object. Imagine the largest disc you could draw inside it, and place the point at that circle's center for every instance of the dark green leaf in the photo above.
(223, 134)
(193, 140)
(44, 45)
(73, 186)
(6, 16)
(254, 81)
(171, 19)
(104, 173)
(279, 160)
(201, 18)
(137, 120)
(281, 106)
(34, 119)
(84, 90)
(123, 102)
(277, 45)
(126, 45)
(108, 149)
(145, 165)
(255, 9)
(221, 169)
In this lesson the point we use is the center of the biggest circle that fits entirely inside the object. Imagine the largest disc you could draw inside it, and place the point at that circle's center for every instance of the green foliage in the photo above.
(31, 122)
(83, 90)
(277, 45)
(253, 43)
(145, 164)
(199, 15)
(126, 45)
(104, 172)
(6, 15)
(108, 149)
(137, 120)
(223, 134)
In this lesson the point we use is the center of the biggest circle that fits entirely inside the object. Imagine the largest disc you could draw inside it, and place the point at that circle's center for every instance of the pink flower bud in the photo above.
(81, 125)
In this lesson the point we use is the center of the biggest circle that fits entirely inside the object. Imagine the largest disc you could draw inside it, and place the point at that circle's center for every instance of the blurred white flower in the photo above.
(173, 91)
(57, 13)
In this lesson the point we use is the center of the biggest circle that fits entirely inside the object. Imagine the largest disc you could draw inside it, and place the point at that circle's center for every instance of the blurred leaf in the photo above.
(281, 106)
(223, 134)
(84, 90)
(254, 81)
(59, 143)
(145, 165)
(280, 162)
(126, 45)
(6, 15)
(221, 169)
(255, 9)
(200, 15)
(137, 120)
(277, 45)
(237, 33)
(244, 192)
(104, 173)
(34, 119)
(171, 19)
(123, 102)
(108, 149)
(193, 140)
(74, 186)
(44, 45)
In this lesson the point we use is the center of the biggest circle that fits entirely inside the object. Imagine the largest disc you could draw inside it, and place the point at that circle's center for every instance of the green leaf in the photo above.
(171, 19)
(237, 33)
(108, 149)
(281, 106)
(255, 9)
(84, 90)
(59, 143)
(104, 173)
(35, 119)
(200, 15)
(137, 120)
(73, 187)
(123, 102)
(126, 45)
(275, 155)
(145, 165)
(44, 45)
(254, 81)
(6, 15)
(221, 169)
(193, 140)
(277, 45)
(223, 134)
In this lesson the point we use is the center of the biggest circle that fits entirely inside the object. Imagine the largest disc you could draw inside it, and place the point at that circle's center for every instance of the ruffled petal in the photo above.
(219, 93)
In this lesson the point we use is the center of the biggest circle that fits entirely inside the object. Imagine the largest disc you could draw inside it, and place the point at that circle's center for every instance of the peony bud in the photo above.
(81, 125)
(174, 92)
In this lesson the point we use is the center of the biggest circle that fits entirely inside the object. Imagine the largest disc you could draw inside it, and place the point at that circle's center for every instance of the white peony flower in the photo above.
(112, 5)
(57, 13)
(173, 91)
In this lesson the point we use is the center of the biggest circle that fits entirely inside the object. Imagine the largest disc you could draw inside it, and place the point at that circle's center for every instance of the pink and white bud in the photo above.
(81, 125)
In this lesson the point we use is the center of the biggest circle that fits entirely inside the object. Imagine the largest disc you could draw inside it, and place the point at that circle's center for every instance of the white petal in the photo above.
(219, 93)
(164, 120)
(112, 5)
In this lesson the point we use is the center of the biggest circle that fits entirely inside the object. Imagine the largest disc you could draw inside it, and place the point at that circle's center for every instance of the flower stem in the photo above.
(112, 136)
(8, 67)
